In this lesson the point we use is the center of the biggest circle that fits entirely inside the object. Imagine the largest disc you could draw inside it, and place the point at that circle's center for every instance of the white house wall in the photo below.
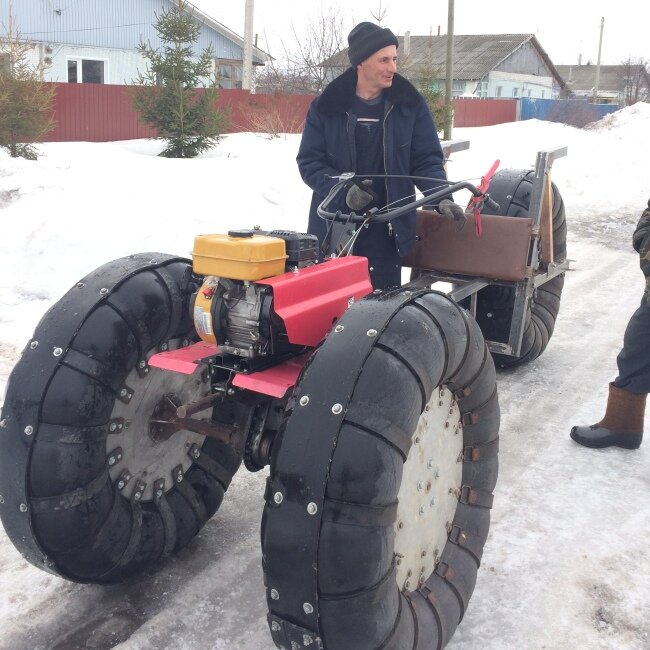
(525, 85)
(100, 29)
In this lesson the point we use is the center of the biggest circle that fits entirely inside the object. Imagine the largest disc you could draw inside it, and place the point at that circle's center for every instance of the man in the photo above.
(371, 120)
(622, 425)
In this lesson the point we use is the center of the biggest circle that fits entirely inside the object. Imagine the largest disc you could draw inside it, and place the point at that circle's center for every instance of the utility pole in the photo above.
(449, 107)
(247, 73)
(600, 48)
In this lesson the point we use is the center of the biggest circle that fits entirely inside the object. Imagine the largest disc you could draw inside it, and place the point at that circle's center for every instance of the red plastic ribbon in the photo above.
(477, 201)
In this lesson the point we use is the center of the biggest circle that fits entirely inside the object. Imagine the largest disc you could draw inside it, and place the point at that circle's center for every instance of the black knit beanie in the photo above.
(366, 39)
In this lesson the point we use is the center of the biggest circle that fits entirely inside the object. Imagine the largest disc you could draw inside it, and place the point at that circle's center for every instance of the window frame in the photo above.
(235, 80)
(79, 61)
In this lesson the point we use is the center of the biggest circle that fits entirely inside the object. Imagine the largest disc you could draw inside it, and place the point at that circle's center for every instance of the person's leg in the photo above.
(622, 425)
(384, 262)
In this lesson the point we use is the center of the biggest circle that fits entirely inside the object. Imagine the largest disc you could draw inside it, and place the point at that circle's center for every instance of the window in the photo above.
(498, 91)
(515, 92)
(229, 74)
(457, 88)
(482, 89)
(87, 71)
(530, 93)
(543, 94)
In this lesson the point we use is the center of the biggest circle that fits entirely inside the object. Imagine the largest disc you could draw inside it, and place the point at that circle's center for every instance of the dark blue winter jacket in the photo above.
(411, 146)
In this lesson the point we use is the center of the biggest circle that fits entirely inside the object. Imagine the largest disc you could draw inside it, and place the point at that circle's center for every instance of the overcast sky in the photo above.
(566, 29)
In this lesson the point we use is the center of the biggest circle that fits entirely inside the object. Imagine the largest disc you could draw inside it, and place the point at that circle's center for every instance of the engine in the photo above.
(234, 307)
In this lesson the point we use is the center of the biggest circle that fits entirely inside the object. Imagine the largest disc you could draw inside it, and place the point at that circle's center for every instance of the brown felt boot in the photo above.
(622, 425)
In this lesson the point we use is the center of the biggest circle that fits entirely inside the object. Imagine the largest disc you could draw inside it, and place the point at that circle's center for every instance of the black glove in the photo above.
(357, 199)
(453, 211)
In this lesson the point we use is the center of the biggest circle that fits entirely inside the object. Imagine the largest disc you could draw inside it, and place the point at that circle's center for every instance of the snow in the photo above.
(566, 564)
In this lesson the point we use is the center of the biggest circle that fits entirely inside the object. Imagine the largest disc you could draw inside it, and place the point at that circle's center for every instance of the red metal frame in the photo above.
(311, 299)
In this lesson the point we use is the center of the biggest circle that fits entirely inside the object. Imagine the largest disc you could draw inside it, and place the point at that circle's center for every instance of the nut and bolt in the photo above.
(312, 508)
(159, 493)
(196, 453)
(304, 400)
(137, 496)
(103, 291)
(123, 392)
(336, 409)
(112, 427)
(164, 346)
(275, 626)
(278, 497)
(371, 332)
(142, 364)
(274, 594)
(29, 429)
(33, 345)
(308, 608)
(22, 507)
(3, 423)
(339, 328)
(57, 352)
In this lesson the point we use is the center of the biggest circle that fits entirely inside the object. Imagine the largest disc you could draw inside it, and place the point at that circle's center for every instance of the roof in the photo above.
(223, 30)
(475, 56)
(611, 78)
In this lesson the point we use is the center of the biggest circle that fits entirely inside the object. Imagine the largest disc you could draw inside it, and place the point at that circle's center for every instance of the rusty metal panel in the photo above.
(484, 112)
(500, 253)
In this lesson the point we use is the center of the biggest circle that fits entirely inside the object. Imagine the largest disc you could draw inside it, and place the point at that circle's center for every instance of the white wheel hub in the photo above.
(428, 495)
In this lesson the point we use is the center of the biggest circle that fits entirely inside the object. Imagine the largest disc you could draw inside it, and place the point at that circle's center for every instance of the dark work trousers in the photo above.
(634, 359)
(377, 244)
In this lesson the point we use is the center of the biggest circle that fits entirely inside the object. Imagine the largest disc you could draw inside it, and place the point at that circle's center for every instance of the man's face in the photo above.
(377, 71)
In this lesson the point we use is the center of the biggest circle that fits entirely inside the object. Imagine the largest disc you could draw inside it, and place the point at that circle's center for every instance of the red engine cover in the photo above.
(311, 299)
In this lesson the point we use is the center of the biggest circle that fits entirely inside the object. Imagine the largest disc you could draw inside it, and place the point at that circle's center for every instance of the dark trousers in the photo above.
(634, 359)
(376, 243)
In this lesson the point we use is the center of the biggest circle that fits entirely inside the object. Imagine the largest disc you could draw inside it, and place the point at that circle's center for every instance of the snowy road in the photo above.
(567, 563)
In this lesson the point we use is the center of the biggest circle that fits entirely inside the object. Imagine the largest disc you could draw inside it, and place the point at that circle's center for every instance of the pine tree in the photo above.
(177, 94)
(26, 101)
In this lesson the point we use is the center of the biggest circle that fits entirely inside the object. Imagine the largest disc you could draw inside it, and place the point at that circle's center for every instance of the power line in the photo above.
(88, 29)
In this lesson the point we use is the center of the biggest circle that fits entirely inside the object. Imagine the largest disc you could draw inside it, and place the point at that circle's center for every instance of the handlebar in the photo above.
(385, 215)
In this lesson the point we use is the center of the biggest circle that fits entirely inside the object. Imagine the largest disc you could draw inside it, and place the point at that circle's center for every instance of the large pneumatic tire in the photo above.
(511, 189)
(378, 502)
(86, 492)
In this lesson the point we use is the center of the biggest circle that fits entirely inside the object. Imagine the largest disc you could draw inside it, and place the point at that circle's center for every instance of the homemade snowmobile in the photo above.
(145, 387)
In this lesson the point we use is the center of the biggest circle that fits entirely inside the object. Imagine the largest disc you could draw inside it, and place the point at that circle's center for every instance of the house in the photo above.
(95, 41)
(487, 65)
(623, 84)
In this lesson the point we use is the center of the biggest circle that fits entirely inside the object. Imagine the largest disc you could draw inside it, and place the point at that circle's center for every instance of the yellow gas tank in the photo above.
(239, 255)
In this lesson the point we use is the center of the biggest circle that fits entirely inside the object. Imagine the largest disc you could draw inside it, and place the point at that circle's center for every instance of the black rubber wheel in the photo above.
(378, 502)
(86, 492)
(512, 190)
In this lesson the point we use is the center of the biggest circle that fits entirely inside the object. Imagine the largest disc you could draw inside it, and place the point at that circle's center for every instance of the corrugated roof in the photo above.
(582, 78)
(475, 55)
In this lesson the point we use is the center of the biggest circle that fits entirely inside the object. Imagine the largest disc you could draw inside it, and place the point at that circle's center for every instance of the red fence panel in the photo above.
(103, 112)
(95, 113)
(483, 112)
